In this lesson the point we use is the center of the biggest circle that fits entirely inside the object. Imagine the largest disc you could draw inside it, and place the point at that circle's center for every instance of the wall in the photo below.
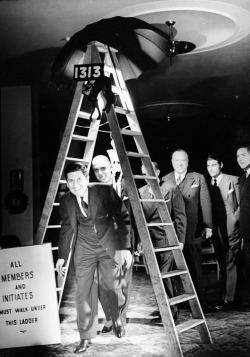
(16, 153)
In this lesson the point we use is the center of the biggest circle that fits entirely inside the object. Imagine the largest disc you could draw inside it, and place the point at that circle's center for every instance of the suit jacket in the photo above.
(176, 208)
(225, 207)
(245, 207)
(197, 200)
(104, 207)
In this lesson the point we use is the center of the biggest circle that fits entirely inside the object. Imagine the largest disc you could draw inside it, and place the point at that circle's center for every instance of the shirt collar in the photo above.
(85, 197)
(176, 175)
(218, 179)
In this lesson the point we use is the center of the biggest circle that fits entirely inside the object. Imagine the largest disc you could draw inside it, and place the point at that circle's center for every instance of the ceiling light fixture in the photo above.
(177, 47)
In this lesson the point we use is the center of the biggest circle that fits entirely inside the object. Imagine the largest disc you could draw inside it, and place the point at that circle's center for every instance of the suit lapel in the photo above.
(172, 178)
(187, 183)
(244, 186)
(224, 185)
(149, 207)
(94, 200)
(72, 202)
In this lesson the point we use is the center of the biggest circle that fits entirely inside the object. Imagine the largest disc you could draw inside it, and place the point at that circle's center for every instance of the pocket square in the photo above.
(194, 185)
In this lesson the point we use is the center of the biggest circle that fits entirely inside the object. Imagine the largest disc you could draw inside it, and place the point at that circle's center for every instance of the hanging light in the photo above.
(177, 47)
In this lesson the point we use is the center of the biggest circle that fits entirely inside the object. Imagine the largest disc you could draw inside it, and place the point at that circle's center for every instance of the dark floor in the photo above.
(230, 331)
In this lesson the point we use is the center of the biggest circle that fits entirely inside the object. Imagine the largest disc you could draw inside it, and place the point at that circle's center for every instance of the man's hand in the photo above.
(207, 233)
(59, 267)
(123, 257)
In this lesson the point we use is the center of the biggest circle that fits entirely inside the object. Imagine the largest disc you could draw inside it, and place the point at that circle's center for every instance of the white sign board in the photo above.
(28, 302)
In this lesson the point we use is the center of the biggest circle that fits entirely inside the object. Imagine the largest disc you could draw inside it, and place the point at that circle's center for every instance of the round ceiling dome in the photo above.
(207, 24)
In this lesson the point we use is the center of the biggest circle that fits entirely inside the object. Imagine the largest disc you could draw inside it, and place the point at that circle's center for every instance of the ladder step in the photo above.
(159, 224)
(76, 159)
(116, 90)
(54, 226)
(83, 115)
(121, 110)
(81, 138)
(62, 181)
(131, 132)
(143, 177)
(58, 289)
(174, 273)
(152, 200)
(187, 325)
(136, 154)
(166, 249)
(181, 298)
(56, 203)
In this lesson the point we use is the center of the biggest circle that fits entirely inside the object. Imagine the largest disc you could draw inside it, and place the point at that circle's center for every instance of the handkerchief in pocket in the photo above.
(194, 185)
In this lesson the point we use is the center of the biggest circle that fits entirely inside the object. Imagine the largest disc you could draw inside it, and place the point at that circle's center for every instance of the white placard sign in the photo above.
(28, 302)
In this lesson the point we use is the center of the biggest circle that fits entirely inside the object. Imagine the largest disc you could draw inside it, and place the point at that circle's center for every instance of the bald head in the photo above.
(102, 169)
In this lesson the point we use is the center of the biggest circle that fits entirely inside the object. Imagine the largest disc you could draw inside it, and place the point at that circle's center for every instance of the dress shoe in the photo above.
(83, 345)
(119, 330)
(155, 313)
(211, 308)
(106, 329)
(159, 319)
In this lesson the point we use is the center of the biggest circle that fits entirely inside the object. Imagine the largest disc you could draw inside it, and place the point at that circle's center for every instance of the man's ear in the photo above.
(221, 165)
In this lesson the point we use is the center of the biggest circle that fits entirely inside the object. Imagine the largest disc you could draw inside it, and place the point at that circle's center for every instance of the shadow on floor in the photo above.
(230, 330)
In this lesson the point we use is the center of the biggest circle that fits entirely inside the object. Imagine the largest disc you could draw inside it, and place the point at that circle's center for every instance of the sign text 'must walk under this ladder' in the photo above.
(132, 152)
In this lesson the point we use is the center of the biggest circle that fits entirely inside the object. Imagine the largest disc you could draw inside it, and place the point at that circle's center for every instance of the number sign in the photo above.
(88, 71)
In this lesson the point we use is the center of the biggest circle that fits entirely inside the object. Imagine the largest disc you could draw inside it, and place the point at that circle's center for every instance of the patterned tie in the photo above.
(84, 205)
(178, 180)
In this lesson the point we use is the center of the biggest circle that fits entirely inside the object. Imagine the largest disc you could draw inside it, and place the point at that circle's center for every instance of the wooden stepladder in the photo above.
(132, 152)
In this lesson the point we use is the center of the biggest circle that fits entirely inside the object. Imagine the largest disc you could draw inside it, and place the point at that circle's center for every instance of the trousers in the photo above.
(88, 257)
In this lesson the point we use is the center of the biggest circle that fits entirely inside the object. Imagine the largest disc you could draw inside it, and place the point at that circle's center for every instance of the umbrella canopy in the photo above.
(143, 44)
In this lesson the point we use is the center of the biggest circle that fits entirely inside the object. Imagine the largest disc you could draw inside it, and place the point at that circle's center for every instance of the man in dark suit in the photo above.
(243, 159)
(199, 216)
(176, 208)
(105, 173)
(88, 214)
(224, 191)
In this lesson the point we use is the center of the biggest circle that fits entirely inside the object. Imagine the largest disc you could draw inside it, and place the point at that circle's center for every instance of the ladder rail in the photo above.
(58, 169)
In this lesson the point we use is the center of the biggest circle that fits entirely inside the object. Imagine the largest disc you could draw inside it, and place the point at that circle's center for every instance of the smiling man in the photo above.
(199, 216)
(224, 191)
(88, 213)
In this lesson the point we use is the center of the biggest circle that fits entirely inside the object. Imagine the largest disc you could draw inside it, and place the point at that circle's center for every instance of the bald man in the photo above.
(102, 169)
(104, 173)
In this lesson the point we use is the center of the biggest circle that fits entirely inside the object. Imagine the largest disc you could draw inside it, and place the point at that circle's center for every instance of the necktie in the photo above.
(84, 205)
(178, 180)
(215, 183)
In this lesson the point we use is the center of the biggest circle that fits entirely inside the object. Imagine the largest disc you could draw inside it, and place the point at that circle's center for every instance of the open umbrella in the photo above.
(143, 44)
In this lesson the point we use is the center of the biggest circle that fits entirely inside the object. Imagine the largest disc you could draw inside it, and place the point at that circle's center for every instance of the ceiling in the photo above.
(207, 89)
